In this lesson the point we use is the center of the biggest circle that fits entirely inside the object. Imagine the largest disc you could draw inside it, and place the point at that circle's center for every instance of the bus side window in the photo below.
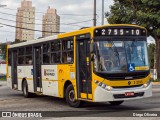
(56, 52)
(46, 53)
(21, 60)
(21, 57)
(28, 56)
(67, 51)
(55, 57)
(67, 57)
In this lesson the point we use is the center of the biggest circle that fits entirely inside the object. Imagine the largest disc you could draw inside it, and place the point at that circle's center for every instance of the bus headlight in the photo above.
(104, 86)
(147, 84)
(108, 88)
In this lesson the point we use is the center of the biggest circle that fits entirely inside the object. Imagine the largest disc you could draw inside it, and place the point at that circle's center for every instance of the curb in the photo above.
(155, 83)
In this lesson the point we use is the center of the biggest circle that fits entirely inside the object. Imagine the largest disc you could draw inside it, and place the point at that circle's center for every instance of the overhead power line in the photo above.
(41, 20)
(71, 24)
(18, 16)
(28, 28)
(12, 32)
(44, 13)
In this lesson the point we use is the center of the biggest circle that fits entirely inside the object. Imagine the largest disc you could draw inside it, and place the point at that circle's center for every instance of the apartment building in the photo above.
(51, 23)
(25, 19)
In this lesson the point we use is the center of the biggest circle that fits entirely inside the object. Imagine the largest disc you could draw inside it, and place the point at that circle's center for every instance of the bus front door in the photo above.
(84, 69)
(37, 69)
(14, 69)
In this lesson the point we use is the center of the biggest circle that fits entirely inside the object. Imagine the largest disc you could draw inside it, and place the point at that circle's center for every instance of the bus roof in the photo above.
(68, 34)
(30, 42)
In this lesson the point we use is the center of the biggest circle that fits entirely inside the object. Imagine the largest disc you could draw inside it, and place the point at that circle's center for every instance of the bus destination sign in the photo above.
(119, 32)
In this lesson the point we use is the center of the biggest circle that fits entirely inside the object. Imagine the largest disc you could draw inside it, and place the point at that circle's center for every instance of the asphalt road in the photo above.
(11, 100)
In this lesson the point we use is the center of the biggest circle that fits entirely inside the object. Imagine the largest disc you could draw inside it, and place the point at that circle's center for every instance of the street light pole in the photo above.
(94, 14)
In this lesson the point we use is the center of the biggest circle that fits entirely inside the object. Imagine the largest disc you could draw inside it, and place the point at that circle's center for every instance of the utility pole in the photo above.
(94, 14)
(102, 12)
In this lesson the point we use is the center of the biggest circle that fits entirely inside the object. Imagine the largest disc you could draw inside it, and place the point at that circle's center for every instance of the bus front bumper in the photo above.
(102, 95)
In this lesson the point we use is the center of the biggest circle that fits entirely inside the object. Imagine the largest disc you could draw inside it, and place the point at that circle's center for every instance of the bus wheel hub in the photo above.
(71, 96)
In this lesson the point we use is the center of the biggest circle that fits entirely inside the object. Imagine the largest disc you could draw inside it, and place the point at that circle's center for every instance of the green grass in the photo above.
(3, 78)
(157, 80)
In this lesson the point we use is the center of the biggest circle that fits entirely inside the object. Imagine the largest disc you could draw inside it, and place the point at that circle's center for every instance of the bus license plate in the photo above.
(129, 94)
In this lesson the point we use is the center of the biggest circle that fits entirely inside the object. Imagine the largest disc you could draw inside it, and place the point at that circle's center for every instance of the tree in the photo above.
(145, 13)
(151, 50)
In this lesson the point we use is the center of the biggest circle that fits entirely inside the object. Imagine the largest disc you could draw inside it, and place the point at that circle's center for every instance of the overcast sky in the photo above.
(77, 7)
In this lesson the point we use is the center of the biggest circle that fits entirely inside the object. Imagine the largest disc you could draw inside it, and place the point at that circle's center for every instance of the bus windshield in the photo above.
(121, 56)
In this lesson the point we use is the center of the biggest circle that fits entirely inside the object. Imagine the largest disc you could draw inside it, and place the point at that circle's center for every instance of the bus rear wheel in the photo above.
(26, 94)
(70, 97)
(115, 103)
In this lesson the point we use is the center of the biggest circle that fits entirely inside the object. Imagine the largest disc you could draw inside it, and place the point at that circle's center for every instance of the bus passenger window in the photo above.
(46, 59)
(67, 51)
(67, 57)
(55, 46)
(46, 48)
(55, 57)
(29, 60)
(21, 57)
(29, 50)
(21, 60)
(56, 52)
(21, 51)
(67, 45)
(28, 55)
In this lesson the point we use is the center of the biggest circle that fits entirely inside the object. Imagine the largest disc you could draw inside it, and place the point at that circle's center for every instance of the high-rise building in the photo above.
(51, 22)
(25, 19)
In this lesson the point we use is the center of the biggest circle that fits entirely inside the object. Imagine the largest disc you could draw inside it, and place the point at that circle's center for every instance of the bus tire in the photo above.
(26, 94)
(116, 103)
(70, 97)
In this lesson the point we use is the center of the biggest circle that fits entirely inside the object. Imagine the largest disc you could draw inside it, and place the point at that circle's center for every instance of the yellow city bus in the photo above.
(99, 64)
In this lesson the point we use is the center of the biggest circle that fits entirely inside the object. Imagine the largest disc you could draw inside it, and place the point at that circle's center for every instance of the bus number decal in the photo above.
(115, 32)
(103, 32)
(121, 32)
(137, 32)
(109, 31)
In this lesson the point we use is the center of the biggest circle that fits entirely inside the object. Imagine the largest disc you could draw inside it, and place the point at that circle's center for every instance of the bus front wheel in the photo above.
(70, 97)
(116, 102)
(25, 90)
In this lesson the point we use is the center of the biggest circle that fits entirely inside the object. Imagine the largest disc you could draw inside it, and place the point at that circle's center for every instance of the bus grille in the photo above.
(123, 76)
(126, 86)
